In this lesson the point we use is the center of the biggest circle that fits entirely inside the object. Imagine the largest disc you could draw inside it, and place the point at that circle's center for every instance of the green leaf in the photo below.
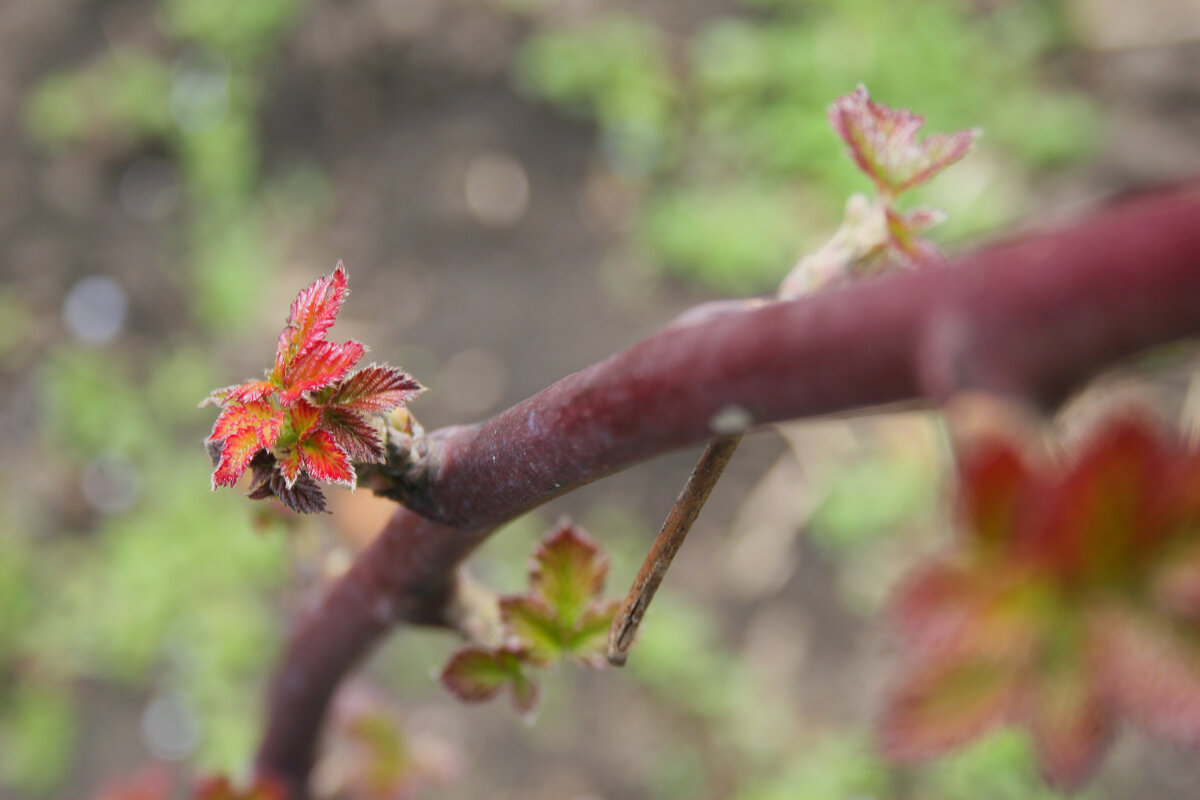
(534, 623)
(475, 674)
(567, 573)
(37, 737)
(588, 641)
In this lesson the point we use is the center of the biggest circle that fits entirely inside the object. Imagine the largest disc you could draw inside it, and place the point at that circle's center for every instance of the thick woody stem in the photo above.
(1032, 318)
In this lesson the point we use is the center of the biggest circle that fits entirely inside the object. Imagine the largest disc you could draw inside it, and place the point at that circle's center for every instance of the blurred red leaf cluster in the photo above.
(1071, 601)
(157, 783)
(310, 419)
(220, 788)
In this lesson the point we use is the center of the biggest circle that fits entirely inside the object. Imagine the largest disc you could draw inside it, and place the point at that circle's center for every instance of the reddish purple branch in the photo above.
(1032, 318)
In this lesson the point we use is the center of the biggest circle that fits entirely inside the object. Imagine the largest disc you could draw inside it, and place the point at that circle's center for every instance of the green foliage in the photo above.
(204, 108)
(221, 164)
(92, 406)
(238, 29)
(744, 115)
(680, 658)
(833, 769)
(615, 70)
(231, 267)
(176, 378)
(124, 96)
(174, 591)
(681, 773)
(1001, 766)
(37, 733)
(17, 592)
(871, 497)
(734, 237)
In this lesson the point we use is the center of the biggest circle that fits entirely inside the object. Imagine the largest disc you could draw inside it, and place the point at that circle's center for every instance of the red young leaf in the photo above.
(322, 364)
(240, 393)
(375, 389)
(290, 465)
(235, 457)
(258, 415)
(883, 142)
(321, 458)
(312, 314)
(302, 417)
(245, 429)
(318, 456)
(360, 440)
(307, 421)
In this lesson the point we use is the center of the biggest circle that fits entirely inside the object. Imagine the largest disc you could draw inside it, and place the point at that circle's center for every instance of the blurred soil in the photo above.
(483, 237)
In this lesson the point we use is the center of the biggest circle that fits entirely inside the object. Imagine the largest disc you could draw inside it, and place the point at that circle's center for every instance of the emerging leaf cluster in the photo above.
(366, 754)
(1072, 600)
(875, 233)
(561, 616)
(310, 418)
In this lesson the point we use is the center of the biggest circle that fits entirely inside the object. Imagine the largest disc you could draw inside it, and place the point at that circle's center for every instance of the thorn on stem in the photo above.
(674, 530)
